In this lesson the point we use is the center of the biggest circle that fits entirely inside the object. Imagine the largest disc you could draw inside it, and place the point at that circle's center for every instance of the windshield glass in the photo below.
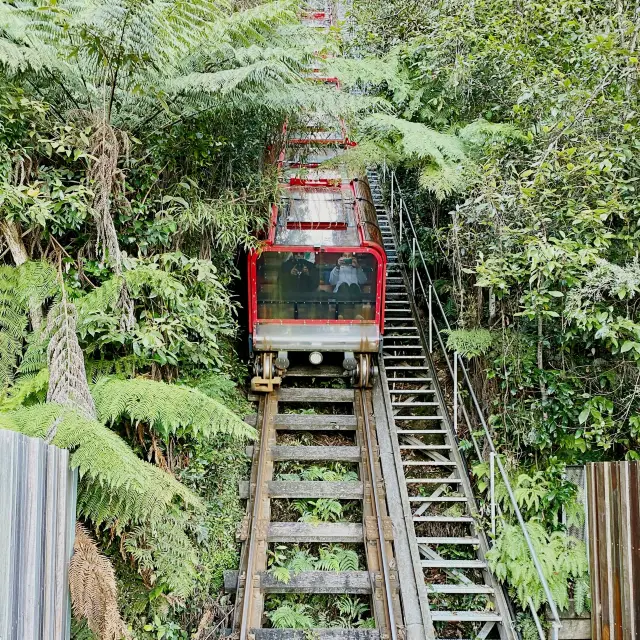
(317, 286)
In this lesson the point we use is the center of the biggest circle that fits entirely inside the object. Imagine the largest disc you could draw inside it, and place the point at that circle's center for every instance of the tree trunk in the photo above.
(13, 236)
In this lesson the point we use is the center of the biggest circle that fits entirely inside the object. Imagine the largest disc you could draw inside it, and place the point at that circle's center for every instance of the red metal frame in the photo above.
(369, 248)
(365, 246)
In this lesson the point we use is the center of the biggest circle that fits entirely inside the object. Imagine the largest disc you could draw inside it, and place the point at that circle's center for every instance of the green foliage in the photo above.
(445, 167)
(291, 616)
(26, 390)
(116, 487)
(548, 227)
(167, 409)
(541, 494)
(165, 553)
(469, 342)
(527, 627)
(562, 558)
(285, 562)
(322, 509)
(182, 311)
(22, 289)
(343, 611)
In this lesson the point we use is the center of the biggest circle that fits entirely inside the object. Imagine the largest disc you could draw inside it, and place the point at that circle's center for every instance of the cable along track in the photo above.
(373, 532)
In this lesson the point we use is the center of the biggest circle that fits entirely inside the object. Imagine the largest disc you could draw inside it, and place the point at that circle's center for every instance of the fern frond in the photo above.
(167, 408)
(447, 179)
(25, 388)
(281, 574)
(92, 583)
(481, 132)
(164, 549)
(417, 141)
(563, 560)
(291, 616)
(469, 342)
(21, 289)
(116, 487)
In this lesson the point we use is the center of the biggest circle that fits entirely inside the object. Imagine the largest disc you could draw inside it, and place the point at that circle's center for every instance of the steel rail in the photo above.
(247, 599)
(397, 193)
(386, 572)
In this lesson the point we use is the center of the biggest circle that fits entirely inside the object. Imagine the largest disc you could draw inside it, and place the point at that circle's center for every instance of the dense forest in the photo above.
(137, 141)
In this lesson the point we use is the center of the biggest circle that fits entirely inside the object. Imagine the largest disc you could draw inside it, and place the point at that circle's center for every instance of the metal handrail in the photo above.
(398, 208)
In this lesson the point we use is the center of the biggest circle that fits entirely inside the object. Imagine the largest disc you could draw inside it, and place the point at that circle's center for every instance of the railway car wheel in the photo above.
(265, 378)
(365, 372)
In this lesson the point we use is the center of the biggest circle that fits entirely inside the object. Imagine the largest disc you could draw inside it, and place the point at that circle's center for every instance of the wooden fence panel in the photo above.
(614, 549)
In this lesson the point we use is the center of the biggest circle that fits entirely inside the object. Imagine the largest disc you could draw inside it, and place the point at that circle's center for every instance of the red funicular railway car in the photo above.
(317, 284)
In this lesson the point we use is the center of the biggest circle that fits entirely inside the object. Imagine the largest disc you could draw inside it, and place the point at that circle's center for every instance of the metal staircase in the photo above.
(465, 600)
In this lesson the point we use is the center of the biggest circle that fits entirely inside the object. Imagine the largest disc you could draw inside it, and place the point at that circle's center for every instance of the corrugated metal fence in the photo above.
(37, 520)
(614, 549)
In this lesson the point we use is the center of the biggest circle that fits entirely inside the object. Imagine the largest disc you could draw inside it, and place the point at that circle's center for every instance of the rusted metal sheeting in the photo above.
(614, 549)
(37, 519)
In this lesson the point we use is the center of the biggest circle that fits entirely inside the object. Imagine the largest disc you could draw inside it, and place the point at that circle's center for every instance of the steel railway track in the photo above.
(254, 583)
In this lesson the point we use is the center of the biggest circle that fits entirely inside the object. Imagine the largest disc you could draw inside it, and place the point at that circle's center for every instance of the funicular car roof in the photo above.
(317, 216)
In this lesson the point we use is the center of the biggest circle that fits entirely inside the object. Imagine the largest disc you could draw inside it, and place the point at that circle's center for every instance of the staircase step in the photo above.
(421, 432)
(459, 588)
(440, 519)
(406, 368)
(432, 480)
(319, 633)
(426, 447)
(411, 392)
(437, 499)
(393, 379)
(453, 564)
(465, 616)
(415, 404)
(428, 463)
(447, 540)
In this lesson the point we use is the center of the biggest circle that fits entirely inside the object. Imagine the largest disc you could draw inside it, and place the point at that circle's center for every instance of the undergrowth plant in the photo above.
(296, 612)
(563, 560)
(285, 561)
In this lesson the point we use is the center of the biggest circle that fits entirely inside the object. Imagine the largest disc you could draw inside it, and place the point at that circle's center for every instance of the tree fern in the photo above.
(116, 487)
(168, 409)
(26, 388)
